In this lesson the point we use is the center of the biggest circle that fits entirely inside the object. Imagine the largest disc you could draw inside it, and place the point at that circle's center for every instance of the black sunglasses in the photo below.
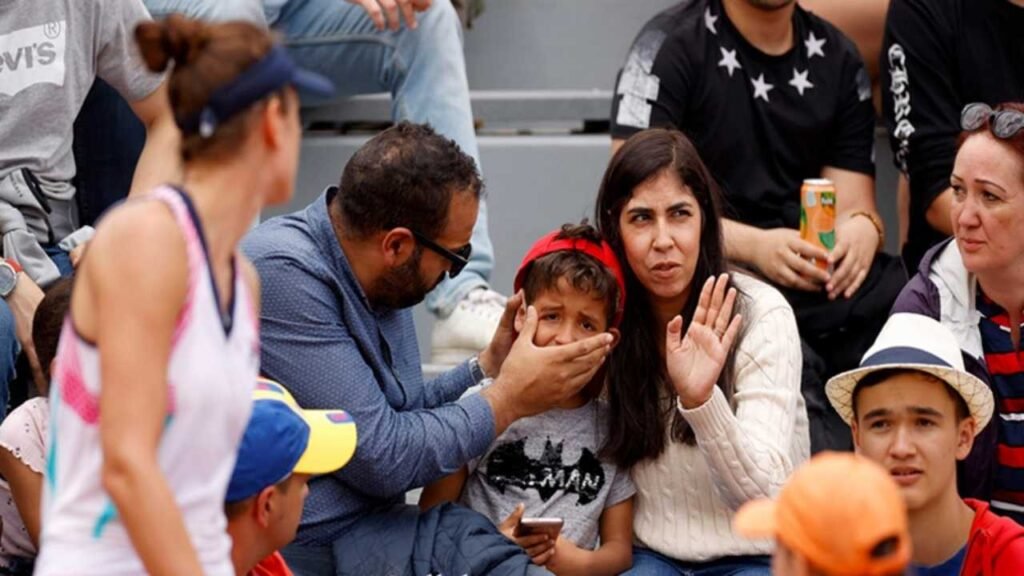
(1005, 123)
(459, 258)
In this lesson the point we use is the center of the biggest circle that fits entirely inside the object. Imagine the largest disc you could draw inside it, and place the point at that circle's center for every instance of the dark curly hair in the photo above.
(404, 176)
(48, 321)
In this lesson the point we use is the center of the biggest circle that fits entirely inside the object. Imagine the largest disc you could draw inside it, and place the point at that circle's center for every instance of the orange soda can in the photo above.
(818, 216)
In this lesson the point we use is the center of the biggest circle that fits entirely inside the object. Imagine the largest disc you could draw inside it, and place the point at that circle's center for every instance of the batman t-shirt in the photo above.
(550, 463)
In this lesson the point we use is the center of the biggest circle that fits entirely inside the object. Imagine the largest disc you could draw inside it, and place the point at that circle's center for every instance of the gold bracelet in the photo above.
(876, 222)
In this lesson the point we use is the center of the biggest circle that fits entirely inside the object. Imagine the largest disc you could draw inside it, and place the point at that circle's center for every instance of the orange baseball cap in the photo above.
(840, 511)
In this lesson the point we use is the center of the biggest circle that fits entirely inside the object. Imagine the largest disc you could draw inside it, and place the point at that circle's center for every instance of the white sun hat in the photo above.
(914, 342)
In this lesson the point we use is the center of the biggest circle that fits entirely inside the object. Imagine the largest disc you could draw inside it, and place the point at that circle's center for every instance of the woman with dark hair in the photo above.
(162, 337)
(707, 415)
(974, 285)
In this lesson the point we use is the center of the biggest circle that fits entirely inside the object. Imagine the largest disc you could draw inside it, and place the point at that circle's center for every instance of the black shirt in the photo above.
(937, 57)
(761, 123)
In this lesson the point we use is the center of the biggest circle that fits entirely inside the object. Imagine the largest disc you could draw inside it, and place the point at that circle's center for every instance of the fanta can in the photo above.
(818, 216)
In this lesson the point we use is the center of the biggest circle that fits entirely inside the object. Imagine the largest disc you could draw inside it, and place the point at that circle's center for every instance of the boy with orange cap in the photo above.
(838, 515)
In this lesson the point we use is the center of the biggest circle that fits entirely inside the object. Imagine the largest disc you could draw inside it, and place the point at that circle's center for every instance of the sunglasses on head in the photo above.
(459, 258)
(1004, 124)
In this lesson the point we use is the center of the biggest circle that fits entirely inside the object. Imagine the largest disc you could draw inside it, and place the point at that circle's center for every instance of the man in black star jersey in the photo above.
(771, 95)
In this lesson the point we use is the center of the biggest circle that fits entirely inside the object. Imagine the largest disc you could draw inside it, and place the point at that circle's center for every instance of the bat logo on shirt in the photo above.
(509, 465)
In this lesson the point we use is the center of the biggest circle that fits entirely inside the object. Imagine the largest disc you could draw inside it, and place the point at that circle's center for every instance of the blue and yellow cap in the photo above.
(283, 439)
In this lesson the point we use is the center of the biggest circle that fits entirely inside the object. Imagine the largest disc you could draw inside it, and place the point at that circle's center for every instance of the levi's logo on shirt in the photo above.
(32, 56)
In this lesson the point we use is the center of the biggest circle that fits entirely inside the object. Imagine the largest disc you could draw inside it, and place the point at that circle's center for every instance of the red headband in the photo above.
(550, 243)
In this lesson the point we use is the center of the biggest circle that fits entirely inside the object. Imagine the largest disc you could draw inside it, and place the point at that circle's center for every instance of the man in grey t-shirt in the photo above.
(51, 51)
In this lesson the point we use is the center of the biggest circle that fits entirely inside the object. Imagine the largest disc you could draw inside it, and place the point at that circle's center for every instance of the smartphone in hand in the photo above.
(531, 526)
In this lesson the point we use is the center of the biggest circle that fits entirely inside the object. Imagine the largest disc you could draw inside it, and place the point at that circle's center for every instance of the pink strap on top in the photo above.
(197, 261)
(72, 381)
(73, 390)
(193, 248)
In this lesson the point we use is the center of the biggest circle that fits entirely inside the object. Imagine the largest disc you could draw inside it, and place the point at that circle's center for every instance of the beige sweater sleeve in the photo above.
(749, 452)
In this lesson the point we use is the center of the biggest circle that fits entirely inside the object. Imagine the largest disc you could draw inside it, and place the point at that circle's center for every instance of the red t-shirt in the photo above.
(272, 565)
(996, 544)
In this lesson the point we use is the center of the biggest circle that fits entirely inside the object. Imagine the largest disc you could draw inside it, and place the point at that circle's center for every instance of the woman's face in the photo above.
(988, 205)
(660, 226)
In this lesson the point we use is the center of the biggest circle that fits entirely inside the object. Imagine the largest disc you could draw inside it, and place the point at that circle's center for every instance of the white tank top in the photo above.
(210, 377)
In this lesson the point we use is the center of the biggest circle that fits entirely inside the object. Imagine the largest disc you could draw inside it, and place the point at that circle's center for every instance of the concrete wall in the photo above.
(553, 44)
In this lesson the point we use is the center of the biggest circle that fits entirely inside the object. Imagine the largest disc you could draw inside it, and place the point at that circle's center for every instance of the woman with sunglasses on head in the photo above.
(974, 284)
(153, 379)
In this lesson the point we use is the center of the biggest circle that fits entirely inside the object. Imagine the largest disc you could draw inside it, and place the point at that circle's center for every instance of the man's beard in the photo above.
(402, 287)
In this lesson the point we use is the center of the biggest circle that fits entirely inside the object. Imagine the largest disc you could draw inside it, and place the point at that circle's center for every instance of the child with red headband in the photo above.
(550, 466)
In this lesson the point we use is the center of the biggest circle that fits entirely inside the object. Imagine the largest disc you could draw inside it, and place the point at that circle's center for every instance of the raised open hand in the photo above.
(695, 361)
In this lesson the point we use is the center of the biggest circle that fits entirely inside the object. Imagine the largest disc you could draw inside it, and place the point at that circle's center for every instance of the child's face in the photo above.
(566, 315)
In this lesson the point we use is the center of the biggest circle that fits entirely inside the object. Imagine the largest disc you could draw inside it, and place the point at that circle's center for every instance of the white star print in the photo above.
(709, 21)
(800, 81)
(814, 46)
(729, 61)
(761, 88)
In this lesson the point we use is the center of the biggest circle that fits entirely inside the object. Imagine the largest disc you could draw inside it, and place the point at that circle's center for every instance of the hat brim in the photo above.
(976, 394)
(332, 433)
(312, 84)
(756, 519)
(268, 389)
(332, 441)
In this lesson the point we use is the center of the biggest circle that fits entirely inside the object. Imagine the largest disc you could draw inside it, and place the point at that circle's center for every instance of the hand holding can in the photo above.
(818, 216)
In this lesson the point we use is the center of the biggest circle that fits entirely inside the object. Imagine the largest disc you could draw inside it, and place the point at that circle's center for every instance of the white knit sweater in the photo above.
(687, 496)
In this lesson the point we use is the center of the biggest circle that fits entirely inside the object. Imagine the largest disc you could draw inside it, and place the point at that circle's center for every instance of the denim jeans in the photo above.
(424, 71)
(61, 259)
(647, 562)
(9, 350)
(107, 143)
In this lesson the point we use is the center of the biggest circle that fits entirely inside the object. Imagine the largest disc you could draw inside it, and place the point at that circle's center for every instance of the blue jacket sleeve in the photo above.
(918, 297)
(308, 348)
(449, 386)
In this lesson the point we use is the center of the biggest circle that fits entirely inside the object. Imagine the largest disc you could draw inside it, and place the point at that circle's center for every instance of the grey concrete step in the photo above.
(491, 108)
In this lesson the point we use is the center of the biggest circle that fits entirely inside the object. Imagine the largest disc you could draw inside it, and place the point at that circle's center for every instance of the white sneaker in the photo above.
(468, 329)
